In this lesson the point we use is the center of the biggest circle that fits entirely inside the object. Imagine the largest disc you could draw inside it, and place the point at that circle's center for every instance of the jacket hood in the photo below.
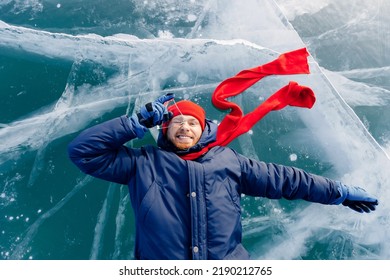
(209, 135)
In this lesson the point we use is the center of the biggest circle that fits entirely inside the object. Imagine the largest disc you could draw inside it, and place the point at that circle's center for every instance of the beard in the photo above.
(182, 146)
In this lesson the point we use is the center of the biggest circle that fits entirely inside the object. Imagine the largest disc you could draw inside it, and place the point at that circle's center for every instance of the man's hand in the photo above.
(155, 113)
(359, 200)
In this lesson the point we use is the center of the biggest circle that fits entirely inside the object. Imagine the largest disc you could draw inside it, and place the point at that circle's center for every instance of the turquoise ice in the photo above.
(65, 66)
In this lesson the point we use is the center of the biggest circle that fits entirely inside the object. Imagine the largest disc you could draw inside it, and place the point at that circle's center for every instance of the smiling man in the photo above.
(190, 208)
(185, 132)
(187, 124)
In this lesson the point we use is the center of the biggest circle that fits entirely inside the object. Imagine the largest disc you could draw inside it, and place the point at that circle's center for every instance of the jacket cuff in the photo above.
(138, 129)
(343, 191)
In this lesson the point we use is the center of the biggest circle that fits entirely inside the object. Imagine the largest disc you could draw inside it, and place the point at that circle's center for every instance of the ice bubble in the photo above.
(182, 78)
(58, 5)
(277, 210)
(192, 18)
(293, 157)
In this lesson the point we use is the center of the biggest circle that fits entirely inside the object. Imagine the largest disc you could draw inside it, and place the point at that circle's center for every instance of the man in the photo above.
(190, 208)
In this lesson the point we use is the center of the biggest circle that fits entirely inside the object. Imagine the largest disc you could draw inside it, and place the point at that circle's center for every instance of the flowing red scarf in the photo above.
(235, 123)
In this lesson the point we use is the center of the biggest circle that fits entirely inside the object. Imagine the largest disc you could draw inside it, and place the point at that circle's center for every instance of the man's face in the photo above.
(184, 131)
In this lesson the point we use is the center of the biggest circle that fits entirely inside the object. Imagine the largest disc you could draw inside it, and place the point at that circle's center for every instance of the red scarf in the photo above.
(235, 123)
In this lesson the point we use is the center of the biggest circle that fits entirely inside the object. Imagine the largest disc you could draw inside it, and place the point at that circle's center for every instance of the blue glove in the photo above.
(151, 114)
(358, 199)
(155, 113)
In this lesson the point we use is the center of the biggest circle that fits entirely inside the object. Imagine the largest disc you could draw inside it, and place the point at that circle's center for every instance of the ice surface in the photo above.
(188, 47)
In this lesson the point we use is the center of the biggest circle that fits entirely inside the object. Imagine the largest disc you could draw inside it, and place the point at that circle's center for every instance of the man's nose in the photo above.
(184, 125)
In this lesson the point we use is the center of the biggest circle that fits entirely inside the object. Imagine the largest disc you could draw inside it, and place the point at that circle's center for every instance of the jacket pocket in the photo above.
(233, 194)
(147, 202)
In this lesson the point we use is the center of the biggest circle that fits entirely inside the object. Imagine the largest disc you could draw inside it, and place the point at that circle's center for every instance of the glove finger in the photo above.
(159, 112)
(160, 109)
(371, 206)
(149, 107)
(146, 110)
(167, 116)
(355, 208)
(360, 206)
(364, 207)
(165, 98)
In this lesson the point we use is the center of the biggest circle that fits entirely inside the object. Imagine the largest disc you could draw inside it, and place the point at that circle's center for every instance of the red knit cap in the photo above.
(186, 107)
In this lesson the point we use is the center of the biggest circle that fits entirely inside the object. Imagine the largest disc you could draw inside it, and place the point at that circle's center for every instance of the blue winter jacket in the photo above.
(189, 209)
